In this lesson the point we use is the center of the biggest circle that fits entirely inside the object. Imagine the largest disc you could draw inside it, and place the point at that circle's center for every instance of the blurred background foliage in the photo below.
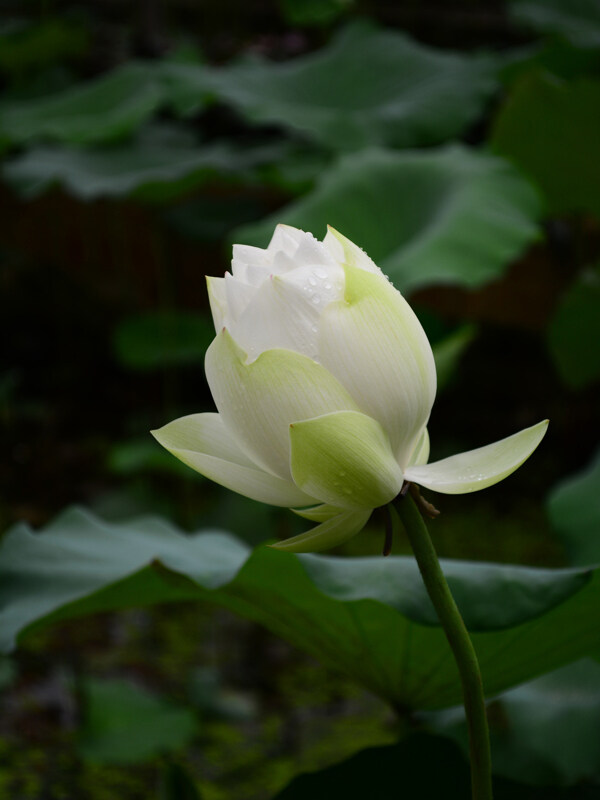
(459, 145)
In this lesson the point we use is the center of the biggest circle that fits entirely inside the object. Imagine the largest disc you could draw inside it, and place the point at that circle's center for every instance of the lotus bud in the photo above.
(324, 380)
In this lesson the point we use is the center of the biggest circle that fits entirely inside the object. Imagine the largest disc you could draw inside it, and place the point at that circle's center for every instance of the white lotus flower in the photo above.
(324, 381)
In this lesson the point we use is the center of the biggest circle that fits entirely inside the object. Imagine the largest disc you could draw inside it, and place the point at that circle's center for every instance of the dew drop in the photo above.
(312, 280)
(314, 328)
(316, 299)
(327, 285)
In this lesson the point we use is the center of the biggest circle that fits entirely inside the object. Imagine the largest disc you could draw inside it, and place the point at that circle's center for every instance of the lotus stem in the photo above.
(460, 643)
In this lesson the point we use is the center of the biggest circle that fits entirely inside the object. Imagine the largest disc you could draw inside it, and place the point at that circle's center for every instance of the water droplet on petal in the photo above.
(316, 299)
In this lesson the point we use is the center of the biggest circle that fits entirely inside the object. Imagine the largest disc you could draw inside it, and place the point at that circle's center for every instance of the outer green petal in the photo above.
(375, 345)
(259, 401)
(347, 252)
(329, 534)
(420, 455)
(203, 443)
(478, 469)
(345, 460)
(318, 513)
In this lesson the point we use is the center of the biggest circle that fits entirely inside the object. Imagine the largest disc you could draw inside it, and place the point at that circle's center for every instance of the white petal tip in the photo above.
(478, 469)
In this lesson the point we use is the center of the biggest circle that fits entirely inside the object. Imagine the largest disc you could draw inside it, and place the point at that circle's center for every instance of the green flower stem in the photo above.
(460, 642)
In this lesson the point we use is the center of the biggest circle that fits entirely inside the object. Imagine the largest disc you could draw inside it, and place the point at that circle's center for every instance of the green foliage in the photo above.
(164, 338)
(209, 218)
(545, 732)
(556, 57)
(108, 108)
(448, 351)
(575, 20)
(553, 723)
(574, 331)
(214, 701)
(551, 130)
(352, 613)
(125, 724)
(381, 89)
(103, 110)
(448, 216)
(135, 456)
(164, 162)
(574, 508)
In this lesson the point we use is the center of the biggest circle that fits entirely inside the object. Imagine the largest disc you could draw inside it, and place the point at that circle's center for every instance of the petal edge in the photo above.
(203, 442)
(331, 533)
(477, 469)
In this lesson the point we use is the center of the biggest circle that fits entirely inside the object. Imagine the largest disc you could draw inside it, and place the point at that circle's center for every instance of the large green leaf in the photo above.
(369, 617)
(575, 20)
(574, 509)
(162, 163)
(553, 728)
(366, 87)
(545, 732)
(102, 110)
(551, 129)
(574, 331)
(439, 216)
(125, 724)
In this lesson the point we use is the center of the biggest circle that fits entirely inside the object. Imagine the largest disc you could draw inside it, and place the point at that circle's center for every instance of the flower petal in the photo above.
(344, 459)
(259, 400)
(478, 469)
(285, 311)
(331, 533)
(420, 455)
(286, 239)
(238, 294)
(300, 246)
(318, 513)
(346, 252)
(217, 298)
(251, 265)
(374, 344)
(203, 443)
